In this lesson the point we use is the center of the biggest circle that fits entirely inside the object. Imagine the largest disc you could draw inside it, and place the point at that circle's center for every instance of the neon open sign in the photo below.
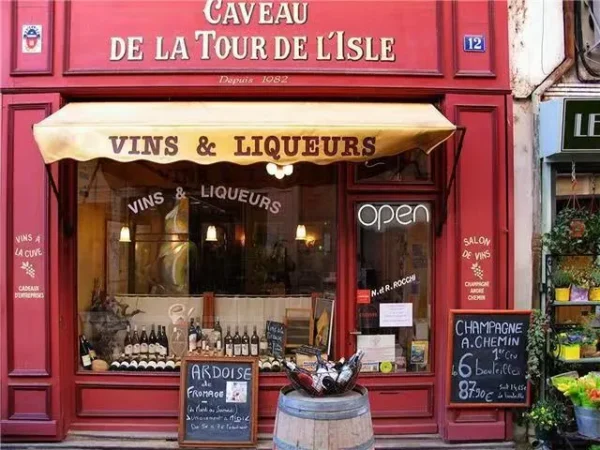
(377, 215)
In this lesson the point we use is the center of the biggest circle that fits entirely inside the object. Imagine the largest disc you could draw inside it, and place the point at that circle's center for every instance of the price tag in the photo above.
(474, 43)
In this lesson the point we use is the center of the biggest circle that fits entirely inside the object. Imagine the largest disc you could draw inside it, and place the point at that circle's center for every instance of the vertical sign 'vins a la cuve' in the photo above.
(487, 358)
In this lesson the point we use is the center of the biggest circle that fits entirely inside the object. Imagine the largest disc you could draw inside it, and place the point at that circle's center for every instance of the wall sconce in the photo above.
(280, 171)
(125, 235)
(300, 233)
(211, 234)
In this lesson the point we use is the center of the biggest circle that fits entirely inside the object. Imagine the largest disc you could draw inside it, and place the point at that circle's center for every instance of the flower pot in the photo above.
(562, 294)
(588, 422)
(568, 352)
(579, 294)
(544, 435)
(594, 294)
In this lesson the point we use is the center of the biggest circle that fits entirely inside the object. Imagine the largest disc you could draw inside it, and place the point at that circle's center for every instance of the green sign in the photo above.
(581, 125)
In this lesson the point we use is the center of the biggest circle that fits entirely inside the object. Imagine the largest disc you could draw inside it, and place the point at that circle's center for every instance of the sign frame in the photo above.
(450, 356)
(253, 361)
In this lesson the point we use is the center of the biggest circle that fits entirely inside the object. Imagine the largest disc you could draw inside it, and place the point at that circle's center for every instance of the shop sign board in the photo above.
(487, 366)
(218, 402)
(581, 125)
(241, 37)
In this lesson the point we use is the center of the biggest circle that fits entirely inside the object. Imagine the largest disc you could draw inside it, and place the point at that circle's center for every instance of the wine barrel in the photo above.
(338, 422)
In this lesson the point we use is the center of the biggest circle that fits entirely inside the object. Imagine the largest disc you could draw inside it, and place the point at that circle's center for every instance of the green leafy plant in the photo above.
(583, 336)
(546, 415)
(594, 277)
(562, 279)
(536, 344)
(560, 239)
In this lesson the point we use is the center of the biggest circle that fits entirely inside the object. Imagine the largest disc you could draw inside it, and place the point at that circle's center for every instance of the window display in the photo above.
(185, 259)
(394, 264)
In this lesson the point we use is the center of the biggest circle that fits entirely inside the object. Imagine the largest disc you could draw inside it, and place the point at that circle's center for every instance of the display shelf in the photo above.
(557, 304)
(580, 361)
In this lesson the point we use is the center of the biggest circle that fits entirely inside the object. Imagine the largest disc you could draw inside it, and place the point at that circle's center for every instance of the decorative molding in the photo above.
(395, 392)
(82, 411)
(13, 388)
(10, 151)
(15, 43)
(491, 38)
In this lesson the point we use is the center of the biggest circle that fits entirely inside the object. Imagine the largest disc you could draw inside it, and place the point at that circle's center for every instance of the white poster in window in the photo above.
(377, 347)
(395, 314)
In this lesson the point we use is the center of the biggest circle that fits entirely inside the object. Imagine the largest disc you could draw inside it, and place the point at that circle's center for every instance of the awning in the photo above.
(239, 132)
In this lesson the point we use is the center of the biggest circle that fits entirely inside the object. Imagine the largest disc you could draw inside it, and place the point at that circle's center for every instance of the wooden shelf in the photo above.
(580, 361)
(555, 304)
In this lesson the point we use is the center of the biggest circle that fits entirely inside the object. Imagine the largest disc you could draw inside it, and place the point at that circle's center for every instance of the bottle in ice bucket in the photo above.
(349, 368)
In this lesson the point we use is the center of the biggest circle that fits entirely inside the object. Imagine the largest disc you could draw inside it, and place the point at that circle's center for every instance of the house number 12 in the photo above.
(474, 43)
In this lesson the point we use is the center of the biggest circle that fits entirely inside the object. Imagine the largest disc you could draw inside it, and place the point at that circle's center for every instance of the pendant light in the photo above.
(125, 234)
(211, 234)
(301, 233)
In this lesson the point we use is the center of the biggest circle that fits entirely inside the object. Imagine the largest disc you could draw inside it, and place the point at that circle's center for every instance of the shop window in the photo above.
(394, 264)
(409, 167)
(231, 247)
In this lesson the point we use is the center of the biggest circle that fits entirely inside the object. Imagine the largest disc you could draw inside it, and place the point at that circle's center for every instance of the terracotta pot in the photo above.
(562, 294)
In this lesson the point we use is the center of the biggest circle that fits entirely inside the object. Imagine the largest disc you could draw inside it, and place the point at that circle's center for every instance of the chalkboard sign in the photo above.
(276, 338)
(487, 358)
(218, 402)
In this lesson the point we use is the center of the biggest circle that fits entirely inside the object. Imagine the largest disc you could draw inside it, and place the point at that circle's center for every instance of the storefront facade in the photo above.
(452, 55)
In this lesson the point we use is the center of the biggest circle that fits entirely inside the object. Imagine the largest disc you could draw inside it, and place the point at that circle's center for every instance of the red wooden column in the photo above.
(479, 237)
(29, 314)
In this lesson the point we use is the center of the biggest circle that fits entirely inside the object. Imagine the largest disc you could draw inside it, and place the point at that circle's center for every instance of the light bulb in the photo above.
(125, 236)
(279, 174)
(211, 234)
(288, 170)
(271, 168)
(301, 233)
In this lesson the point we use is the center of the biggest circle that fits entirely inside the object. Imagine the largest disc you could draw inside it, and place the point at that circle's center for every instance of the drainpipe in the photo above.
(567, 64)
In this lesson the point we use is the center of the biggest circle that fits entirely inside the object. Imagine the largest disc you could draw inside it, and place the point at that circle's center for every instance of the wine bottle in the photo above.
(152, 341)
(254, 343)
(275, 366)
(192, 336)
(302, 378)
(338, 365)
(144, 342)
(116, 364)
(218, 336)
(165, 342)
(170, 365)
(245, 342)
(133, 364)
(135, 341)
(127, 344)
(124, 364)
(152, 364)
(177, 364)
(161, 363)
(263, 345)
(143, 363)
(237, 343)
(90, 348)
(266, 365)
(203, 340)
(349, 368)
(228, 342)
(84, 355)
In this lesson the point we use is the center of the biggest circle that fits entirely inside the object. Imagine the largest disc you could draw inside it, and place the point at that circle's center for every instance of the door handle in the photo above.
(355, 332)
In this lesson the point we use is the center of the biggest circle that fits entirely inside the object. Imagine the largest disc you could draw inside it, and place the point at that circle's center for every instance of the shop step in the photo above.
(168, 441)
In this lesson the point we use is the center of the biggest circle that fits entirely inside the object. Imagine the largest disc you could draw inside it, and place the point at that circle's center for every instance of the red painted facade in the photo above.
(42, 395)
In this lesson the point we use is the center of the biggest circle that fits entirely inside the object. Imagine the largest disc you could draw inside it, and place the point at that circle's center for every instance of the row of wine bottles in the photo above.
(236, 345)
(330, 377)
(154, 344)
(143, 364)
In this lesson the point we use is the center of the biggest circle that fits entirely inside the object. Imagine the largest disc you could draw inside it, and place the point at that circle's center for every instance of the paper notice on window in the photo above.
(395, 314)
(377, 347)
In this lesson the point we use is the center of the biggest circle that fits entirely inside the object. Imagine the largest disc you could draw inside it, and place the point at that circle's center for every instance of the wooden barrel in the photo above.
(329, 423)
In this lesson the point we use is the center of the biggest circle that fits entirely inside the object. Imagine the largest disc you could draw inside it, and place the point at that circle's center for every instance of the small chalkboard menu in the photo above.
(218, 402)
(276, 338)
(487, 358)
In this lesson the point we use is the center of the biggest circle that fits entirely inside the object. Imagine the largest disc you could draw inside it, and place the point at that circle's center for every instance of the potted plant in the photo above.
(579, 286)
(572, 233)
(561, 280)
(584, 392)
(546, 416)
(594, 280)
(569, 345)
